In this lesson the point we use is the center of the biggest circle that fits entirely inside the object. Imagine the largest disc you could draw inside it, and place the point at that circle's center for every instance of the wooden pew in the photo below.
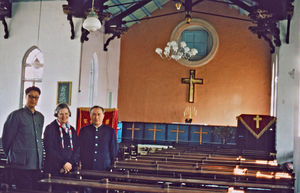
(251, 154)
(212, 174)
(175, 153)
(200, 163)
(200, 155)
(205, 160)
(212, 155)
(26, 191)
(3, 170)
(115, 175)
(125, 186)
(195, 165)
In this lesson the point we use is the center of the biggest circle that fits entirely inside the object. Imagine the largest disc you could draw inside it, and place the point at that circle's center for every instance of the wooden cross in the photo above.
(132, 131)
(257, 119)
(154, 131)
(201, 133)
(191, 81)
(177, 131)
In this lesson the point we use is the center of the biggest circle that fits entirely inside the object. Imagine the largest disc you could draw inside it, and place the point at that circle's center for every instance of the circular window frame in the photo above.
(197, 23)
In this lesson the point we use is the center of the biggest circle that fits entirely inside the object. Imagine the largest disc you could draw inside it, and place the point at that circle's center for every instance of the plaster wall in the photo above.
(288, 128)
(236, 81)
(106, 74)
(62, 55)
(287, 104)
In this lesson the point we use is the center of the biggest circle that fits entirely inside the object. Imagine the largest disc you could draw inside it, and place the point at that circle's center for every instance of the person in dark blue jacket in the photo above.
(22, 144)
(61, 143)
(98, 142)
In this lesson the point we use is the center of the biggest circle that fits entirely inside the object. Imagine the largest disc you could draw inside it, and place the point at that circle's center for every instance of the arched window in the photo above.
(32, 71)
(93, 83)
(274, 84)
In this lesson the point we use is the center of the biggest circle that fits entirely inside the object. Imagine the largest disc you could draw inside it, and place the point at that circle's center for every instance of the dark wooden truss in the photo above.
(5, 11)
(264, 14)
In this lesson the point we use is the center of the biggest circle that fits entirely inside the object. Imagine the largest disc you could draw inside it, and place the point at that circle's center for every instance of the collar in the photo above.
(29, 111)
(65, 125)
(97, 127)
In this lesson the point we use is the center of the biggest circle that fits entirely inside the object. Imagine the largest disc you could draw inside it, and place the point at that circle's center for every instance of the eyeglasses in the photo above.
(33, 97)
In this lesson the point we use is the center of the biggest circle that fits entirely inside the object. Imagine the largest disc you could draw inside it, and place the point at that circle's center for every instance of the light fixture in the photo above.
(176, 51)
(188, 18)
(188, 11)
(178, 5)
(92, 23)
(37, 64)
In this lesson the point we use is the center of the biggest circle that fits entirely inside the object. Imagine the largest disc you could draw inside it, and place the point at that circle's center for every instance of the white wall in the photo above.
(296, 38)
(108, 71)
(286, 102)
(62, 55)
(288, 132)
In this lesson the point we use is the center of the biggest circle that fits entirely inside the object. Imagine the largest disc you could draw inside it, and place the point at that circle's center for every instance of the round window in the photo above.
(198, 34)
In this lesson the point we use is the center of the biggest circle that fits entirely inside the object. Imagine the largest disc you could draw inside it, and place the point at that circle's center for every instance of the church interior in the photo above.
(203, 94)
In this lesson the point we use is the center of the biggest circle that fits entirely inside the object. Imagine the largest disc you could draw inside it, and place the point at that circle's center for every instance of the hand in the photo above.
(67, 167)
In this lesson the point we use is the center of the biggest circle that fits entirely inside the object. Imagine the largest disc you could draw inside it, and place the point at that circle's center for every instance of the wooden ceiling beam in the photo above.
(242, 5)
(196, 2)
(117, 20)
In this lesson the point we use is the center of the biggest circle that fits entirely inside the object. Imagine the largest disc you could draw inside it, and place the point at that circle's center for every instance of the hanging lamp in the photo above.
(92, 23)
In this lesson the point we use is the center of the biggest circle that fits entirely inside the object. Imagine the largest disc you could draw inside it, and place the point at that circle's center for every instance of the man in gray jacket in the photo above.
(21, 140)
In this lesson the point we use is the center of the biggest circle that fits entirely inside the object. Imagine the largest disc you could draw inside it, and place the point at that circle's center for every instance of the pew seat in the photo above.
(125, 186)
(190, 182)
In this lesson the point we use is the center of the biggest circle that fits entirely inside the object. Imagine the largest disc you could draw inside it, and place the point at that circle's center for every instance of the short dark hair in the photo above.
(61, 106)
(95, 107)
(29, 89)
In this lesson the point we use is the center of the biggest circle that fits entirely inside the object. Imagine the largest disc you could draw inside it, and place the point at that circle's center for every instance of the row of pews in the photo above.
(184, 170)
(6, 184)
(3, 169)
(177, 170)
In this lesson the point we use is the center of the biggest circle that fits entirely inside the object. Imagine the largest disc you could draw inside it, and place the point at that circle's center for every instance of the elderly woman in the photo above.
(60, 142)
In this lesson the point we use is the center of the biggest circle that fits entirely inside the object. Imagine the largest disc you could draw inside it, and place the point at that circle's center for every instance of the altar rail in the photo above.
(178, 133)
